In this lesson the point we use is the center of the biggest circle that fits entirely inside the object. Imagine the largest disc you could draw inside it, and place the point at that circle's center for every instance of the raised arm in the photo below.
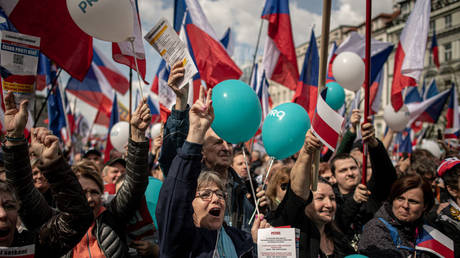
(177, 125)
(301, 172)
(350, 135)
(174, 211)
(129, 196)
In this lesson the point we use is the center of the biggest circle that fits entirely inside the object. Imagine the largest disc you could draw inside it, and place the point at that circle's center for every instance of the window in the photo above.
(448, 21)
(448, 51)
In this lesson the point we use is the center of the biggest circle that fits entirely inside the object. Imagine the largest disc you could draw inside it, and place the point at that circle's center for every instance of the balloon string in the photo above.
(250, 181)
(272, 159)
(137, 67)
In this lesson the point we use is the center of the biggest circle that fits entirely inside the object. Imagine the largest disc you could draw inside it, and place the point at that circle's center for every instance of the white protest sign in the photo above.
(19, 61)
(278, 242)
(171, 48)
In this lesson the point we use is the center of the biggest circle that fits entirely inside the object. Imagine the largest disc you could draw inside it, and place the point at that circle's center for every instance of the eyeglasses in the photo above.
(206, 194)
(284, 186)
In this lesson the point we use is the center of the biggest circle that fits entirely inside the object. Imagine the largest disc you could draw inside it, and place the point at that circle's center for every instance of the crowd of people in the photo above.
(189, 193)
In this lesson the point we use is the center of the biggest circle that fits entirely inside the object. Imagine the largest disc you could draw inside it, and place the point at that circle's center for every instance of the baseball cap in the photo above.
(92, 151)
(447, 164)
(115, 160)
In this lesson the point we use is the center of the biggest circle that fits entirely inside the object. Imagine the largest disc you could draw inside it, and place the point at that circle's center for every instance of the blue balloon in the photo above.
(237, 111)
(335, 96)
(284, 129)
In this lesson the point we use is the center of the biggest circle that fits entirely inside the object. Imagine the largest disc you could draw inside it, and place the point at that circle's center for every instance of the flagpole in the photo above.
(130, 98)
(255, 53)
(47, 97)
(367, 82)
(322, 76)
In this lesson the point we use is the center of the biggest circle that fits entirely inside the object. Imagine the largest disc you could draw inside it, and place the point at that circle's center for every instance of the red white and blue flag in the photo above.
(404, 141)
(376, 89)
(114, 118)
(163, 94)
(227, 41)
(428, 110)
(210, 56)
(330, 59)
(412, 95)
(97, 89)
(453, 123)
(410, 54)
(260, 85)
(431, 91)
(123, 52)
(434, 49)
(327, 124)
(432, 240)
(307, 86)
(280, 60)
(60, 38)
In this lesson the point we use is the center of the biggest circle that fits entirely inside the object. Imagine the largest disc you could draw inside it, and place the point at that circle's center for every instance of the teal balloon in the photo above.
(237, 111)
(335, 96)
(284, 129)
(356, 256)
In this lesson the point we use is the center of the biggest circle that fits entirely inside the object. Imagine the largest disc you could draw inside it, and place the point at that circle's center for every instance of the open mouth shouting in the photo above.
(215, 212)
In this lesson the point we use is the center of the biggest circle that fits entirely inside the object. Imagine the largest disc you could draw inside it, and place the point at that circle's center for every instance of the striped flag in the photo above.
(327, 124)
(432, 240)
(307, 86)
(434, 49)
(428, 110)
(453, 123)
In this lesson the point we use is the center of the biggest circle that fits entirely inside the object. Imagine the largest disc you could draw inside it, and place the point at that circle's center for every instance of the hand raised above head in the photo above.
(175, 77)
(140, 121)
(201, 116)
(15, 119)
(45, 146)
(311, 143)
(368, 133)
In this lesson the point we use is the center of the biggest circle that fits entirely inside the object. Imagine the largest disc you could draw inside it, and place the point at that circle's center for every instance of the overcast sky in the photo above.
(243, 16)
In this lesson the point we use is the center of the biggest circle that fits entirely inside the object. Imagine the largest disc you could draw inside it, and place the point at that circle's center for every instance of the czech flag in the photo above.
(453, 123)
(409, 57)
(431, 91)
(434, 49)
(280, 60)
(428, 110)
(114, 118)
(432, 240)
(412, 95)
(307, 86)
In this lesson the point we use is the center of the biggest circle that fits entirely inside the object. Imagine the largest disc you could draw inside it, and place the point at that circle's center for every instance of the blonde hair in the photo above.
(279, 176)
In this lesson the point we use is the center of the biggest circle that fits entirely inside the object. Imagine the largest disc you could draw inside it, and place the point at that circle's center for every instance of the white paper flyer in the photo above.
(278, 242)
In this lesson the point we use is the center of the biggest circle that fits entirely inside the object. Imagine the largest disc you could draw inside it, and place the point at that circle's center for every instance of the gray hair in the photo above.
(207, 177)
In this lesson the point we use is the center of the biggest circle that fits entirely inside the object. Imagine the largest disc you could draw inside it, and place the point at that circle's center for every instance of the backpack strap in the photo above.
(395, 236)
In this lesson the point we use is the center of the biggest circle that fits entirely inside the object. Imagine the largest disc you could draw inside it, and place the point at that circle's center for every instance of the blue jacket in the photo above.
(179, 237)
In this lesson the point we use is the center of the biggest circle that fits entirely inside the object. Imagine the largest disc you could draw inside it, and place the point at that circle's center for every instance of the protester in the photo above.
(192, 202)
(239, 164)
(41, 183)
(447, 218)
(357, 203)
(113, 169)
(54, 232)
(94, 156)
(217, 155)
(313, 213)
(277, 186)
(325, 172)
(398, 220)
(107, 235)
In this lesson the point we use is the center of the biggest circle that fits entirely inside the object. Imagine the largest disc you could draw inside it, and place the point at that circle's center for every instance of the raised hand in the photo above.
(354, 120)
(140, 121)
(175, 77)
(368, 133)
(15, 119)
(361, 194)
(201, 116)
(311, 143)
(45, 146)
(259, 223)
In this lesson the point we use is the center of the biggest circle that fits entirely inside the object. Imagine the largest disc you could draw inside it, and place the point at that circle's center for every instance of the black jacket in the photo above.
(53, 232)
(179, 237)
(291, 211)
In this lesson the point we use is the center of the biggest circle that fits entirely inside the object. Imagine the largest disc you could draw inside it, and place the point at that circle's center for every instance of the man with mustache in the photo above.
(217, 154)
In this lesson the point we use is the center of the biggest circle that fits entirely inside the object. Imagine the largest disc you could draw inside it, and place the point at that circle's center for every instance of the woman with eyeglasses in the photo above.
(191, 205)
(312, 212)
(276, 187)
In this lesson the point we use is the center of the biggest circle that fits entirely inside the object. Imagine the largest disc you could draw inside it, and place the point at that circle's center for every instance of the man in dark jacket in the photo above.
(217, 154)
(53, 232)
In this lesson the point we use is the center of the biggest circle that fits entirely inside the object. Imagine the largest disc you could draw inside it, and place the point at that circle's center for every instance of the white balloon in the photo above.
(119, 135)
(110, 20)
(397, 121)
(155, 130)
(348, 70)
